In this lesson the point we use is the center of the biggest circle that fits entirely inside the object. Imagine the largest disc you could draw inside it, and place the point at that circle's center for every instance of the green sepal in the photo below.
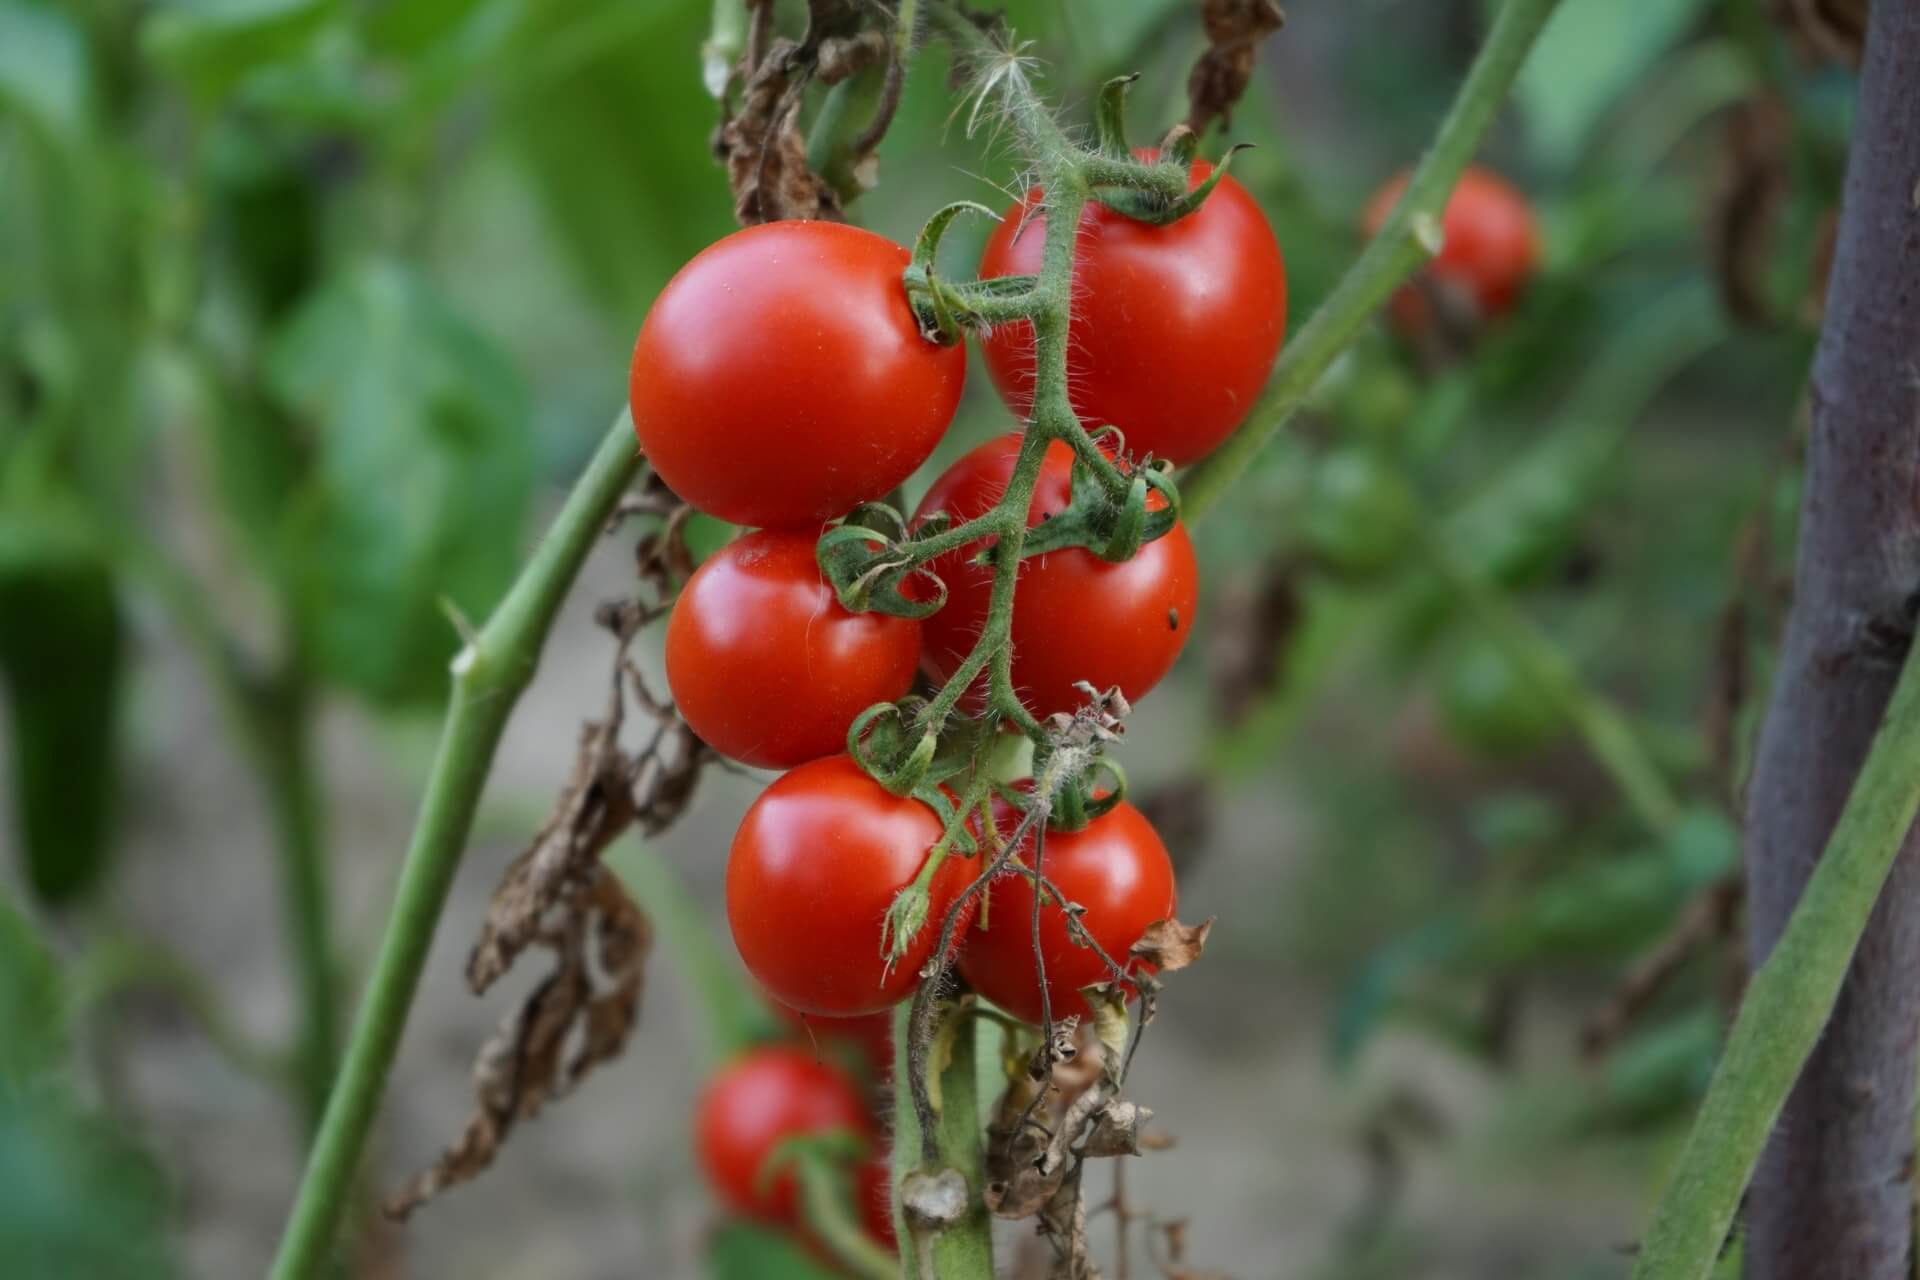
(863, 559)
(1110, 115)
(1114, 530)
(1144, 207)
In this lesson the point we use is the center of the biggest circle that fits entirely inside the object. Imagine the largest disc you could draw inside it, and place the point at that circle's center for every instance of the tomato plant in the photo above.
(1175, 327)
(814, 867)
(1115, 869)
(1359, 514)
(1491, 705)
(1076, 617)
(767, 666)
(763, 1099)
(1490, 247)
(781, 378)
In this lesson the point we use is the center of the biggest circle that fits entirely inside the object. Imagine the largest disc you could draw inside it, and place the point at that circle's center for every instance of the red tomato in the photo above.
(1175, 328)
(814, 867)
(1075, 616)
(1115, 867)
(772, 1094)
(1490, 245)
(871, 1033)
(873, 1188)
(765, 664)
(781, 379)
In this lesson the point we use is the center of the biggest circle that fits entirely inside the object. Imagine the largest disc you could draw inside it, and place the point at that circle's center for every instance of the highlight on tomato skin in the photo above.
(1489, 251)
(1174, 328)
(770, 1094)
(1075, 616)
(781, 378)
(1116, 868)
(814, 867)
(765, 664)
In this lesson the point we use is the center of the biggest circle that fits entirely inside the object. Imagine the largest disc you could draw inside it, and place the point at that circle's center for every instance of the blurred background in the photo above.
(310, 311)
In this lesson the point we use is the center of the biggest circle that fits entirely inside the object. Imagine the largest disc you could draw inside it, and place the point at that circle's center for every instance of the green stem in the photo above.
(825, 1205)
(963, 1250)
(1402, 247)
(282, 731)
(1608, 735)
(488, 677)
(1789, 1000)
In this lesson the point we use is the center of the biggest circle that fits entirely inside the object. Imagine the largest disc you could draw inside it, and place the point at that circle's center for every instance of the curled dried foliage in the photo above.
(1235, 29)
(1169, 946)
(1746, 209)
(1830, 30)
(759, 140)
(557, 895)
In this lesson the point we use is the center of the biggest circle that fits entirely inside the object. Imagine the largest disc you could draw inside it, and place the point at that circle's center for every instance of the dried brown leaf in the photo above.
(1118, 1131)
(1169, 946)
(1235, 29)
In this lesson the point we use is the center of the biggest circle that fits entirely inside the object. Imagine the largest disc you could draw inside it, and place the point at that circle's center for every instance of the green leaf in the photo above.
(62, 660)
(76, 1197)
(211, 45)
(1590, 54)
(33, 1023)
(43, 68)
(745, 1251)
(420, 478)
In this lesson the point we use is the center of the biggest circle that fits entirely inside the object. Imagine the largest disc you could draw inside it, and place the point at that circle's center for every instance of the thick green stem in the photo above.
(1788, 1001)
(961, 1250)
(1410, 236)
(488, 678)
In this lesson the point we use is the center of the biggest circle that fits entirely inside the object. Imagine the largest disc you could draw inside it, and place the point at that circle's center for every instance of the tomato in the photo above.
(1115, 867)
(1359, 513)
(1490, 704)
(1075, 616)
(873, 1193)
(772, 1094)
(1489, 251)
(1174, 329)
(814, 867)
(781, 379)
(871, 1034)
(765, 664)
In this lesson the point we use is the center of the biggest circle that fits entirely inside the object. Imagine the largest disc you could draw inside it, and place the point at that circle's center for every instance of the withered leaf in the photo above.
(1169, 946)
(1235, 29)
(525, 1061)
(1118, 1130)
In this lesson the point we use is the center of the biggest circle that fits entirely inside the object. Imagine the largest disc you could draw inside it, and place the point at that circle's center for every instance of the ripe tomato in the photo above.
(1489, 250)
(814, 867)
(871, 1034)
(1175, 328)
(751, 1107)
(1075, 616)
(1115, 867)
(765, 664)
(781, 379)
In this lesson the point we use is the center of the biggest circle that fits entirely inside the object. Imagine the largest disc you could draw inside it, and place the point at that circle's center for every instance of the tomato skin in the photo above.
(871, 1033)
(771, 1094)
(1116, 867)
(1490, 249)
(780, 379)
(1174, 328)
(767, 666)
(814, 867)
(1129, 621)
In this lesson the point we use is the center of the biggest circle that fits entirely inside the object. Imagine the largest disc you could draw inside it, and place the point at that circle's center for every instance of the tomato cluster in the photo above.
(782, 380)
